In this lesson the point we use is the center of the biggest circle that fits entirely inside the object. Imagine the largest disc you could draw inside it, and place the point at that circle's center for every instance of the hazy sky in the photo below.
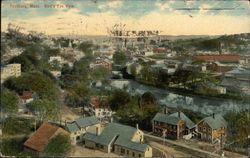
(93, 17)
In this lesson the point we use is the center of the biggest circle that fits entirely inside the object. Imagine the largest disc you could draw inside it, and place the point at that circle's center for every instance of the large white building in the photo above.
(10, 70)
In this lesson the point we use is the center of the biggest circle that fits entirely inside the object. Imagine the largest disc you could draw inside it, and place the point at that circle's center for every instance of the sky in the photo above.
(95, 17)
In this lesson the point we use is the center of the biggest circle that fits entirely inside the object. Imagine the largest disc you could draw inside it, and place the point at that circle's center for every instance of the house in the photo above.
(82, 125)
(100, 109)
(10, 70)
(173, 126)
(56, 74)
(105, 63)
(38, 140)
(120, 139)
(27, 97)
(212, 128)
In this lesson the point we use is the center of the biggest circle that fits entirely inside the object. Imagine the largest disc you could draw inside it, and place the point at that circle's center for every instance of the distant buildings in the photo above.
(38, 140)
(212, 128)
(173, 126)
(80, 126)
(120, 139)
(226, 58)
(10, 70)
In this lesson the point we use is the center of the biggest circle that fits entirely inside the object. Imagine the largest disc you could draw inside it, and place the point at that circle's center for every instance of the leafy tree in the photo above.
(46, 109)
(74, 101)
(26, 64)
(79, 89)
(9, 101)
(238, 127)
(119, 99)
(85, 47)
(59, 145)
(148, 98)
(37, 82)
(119, 58)
(99, 73)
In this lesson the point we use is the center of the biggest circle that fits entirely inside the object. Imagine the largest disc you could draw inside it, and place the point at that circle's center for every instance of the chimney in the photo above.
(166, 111)
(137, 126)
(65, 122)
(111, 119)
(213, 115)
(179, 114)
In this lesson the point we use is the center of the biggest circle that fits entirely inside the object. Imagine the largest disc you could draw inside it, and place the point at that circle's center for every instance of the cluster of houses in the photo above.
(109, 136)
(91, 133)
(177, 125)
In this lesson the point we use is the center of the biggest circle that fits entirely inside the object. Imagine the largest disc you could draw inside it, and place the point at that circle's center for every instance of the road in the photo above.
(194, 152)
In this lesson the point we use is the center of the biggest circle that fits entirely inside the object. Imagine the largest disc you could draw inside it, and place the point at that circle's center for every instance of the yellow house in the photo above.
(82, 125)
(120, 139)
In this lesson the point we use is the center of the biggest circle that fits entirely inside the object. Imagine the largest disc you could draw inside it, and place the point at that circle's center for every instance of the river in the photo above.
(194, 103)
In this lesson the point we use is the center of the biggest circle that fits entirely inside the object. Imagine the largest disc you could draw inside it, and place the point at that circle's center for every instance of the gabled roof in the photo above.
(26, 95)
(120, 134)
(215, 122)
(39, 139)
(86, 121)
(189, 123)
(173, 120)
(72, 127)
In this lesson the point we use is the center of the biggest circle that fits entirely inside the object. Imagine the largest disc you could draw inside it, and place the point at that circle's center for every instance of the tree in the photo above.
(119, 58)
(46, 109)
(238, 127)
(99, 73)
(9, 101)
(119, 98)
(59, 145)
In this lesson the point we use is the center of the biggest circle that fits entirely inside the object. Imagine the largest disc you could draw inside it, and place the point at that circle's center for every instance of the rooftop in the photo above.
(173, 120)
(81, 123)
(215, 122)
(39, 139)
(122, 135)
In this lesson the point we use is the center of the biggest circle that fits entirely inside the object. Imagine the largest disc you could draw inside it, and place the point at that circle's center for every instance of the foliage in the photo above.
(37, 82)
(46, 109)
(119, 98)
(74, 101)
(16, 126)
(9, 101)
(238, 127)
(12, 146)
(59, 145)
(79, 89)
(135, 109)
(99, 73)
(119, 58)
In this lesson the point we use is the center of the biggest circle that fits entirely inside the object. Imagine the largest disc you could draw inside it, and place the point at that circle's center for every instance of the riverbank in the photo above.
(191, 93)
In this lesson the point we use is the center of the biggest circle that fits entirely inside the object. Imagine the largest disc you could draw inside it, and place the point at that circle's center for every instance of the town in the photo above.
(106, 96)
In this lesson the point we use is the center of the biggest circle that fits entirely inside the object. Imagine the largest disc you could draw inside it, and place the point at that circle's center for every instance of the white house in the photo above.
(99, 109)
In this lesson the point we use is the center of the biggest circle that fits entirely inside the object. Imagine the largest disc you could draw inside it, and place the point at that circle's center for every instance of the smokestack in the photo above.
(179, 114)
(213, 115)
(166, 111)
(137, 126)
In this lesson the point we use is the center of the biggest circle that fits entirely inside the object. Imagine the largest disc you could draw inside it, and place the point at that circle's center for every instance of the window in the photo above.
(200, 129)
(209, 129)
(139, 155)
(133, 154)
(127, 152)
(101, 146)
(204, 128)
(122, 151)
(78, 137)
